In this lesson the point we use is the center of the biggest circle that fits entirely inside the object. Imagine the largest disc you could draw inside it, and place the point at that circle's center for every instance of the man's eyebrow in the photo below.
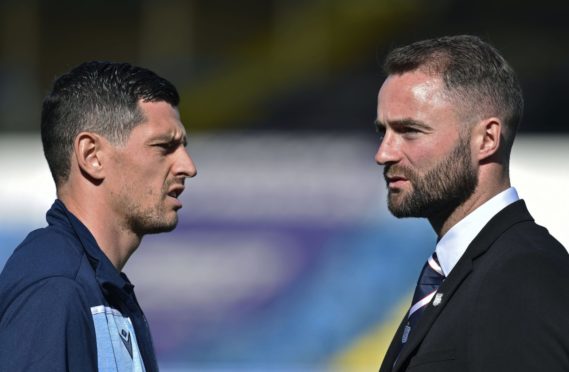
(378, 125)
(182, 140)
(170, 138)
(405, 123)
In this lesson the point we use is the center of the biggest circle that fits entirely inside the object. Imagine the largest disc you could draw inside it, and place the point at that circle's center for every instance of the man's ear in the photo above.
(88, 152)
(488, 138)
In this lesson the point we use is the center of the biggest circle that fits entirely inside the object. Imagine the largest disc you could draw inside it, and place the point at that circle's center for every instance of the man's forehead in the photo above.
(413, 92)
(414, 84)
(415, 96)
(171, 130)
(161, 120)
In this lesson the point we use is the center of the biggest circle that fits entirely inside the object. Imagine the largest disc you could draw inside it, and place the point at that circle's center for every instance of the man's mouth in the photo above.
(394, 178)
(395, 181)
(175, 192)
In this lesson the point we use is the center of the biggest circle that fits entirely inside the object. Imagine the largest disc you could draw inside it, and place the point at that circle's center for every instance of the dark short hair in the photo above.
(98, 97)
(474, 73)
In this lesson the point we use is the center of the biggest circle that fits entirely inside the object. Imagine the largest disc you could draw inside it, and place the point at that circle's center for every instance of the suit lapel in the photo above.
(509, 216)
(394, 349)
(431, 312)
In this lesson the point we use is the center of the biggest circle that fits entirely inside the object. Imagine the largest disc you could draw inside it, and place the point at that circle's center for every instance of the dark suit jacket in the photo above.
(505, 306)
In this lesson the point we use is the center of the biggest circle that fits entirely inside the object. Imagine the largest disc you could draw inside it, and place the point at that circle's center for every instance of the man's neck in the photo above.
(113, 238)
(445, 221)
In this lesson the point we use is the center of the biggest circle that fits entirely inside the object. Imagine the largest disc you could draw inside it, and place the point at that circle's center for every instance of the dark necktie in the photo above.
(431, 278)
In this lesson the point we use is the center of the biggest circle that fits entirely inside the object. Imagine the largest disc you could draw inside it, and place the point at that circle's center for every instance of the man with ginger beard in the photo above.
(494, 294)
(115, 146)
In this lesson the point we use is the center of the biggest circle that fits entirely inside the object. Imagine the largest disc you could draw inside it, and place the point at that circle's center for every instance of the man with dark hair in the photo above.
(495, 293)
(115, 145)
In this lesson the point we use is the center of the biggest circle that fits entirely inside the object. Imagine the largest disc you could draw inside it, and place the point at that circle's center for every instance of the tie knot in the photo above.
(434, 264)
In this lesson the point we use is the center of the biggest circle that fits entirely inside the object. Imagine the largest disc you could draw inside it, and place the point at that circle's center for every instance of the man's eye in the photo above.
(405, 129)
(409, 131)
(166, 147)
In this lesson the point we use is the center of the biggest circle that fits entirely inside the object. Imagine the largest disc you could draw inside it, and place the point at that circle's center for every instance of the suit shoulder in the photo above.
(518, 302)
(526, 257)
(531, 241)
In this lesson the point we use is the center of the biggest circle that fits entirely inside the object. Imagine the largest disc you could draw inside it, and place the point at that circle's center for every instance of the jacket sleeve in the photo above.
(520, 319)
(48, 327)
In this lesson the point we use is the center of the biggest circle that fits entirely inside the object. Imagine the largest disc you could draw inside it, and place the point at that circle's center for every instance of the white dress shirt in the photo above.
(454, 243)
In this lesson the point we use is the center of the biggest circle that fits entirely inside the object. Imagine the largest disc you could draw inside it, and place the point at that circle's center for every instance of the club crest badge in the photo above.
(438, 299)
(406, 332)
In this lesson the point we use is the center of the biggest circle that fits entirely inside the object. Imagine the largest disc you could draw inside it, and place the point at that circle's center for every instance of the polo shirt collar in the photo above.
(107, 275)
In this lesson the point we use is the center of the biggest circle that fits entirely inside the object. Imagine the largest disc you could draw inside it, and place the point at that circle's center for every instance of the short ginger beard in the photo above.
(443, 188)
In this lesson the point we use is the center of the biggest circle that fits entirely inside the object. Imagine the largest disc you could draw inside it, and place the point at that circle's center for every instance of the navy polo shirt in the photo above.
(65, 307)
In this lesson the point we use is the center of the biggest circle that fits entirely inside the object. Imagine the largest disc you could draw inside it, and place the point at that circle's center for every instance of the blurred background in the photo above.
(285, 258)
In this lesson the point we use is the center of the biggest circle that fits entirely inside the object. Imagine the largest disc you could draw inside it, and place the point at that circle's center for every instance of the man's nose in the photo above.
(388, 151)
(185, 166)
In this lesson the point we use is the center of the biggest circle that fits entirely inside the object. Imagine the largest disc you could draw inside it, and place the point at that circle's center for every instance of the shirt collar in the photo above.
(106, 274)
(455, 242)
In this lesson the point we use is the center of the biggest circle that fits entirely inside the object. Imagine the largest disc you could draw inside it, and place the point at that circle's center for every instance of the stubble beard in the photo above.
(151, 219)
(440, 190)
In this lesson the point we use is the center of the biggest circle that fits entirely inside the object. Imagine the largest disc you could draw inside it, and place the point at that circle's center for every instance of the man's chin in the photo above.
(400, 213)
(396, 204)
(170, 225)
(401, 207)
(160, 227)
